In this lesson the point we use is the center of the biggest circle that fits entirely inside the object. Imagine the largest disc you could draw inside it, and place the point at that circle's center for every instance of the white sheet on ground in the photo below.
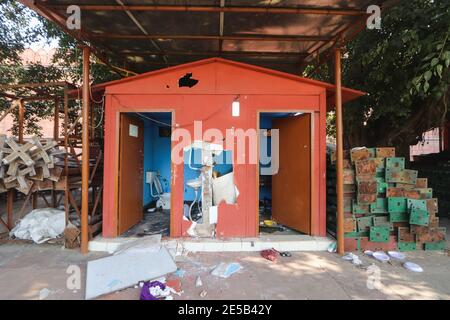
(40, 225)
(126, 269)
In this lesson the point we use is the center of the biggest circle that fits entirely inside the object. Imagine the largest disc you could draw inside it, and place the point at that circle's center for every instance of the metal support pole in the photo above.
(21, 119)
(339, 153)
(66, 163)
(10, 208)
(56, 120)
(56, 138)
(85, 154)
(11, 193)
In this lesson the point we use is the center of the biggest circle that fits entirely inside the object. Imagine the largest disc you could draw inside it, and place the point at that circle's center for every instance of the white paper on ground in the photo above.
(381, 256)
(396, 255)
(40, 225)
(413, 267)
(224, 270)
(124, 270)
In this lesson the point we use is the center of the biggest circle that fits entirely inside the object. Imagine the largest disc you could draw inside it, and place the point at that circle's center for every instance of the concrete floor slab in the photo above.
(279, 242)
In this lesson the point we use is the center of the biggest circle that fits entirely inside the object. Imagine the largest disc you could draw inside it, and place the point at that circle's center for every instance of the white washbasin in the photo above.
(194, 183)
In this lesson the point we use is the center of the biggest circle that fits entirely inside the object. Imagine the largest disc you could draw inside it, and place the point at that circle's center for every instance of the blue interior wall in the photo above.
(265, 122)
(157, 151)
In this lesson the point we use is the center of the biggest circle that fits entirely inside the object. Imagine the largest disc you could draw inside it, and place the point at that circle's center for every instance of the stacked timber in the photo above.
(388, 207)
(28, 166)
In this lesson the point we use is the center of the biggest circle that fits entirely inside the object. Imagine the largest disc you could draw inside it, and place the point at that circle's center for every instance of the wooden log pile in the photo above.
(28, 166)
(386, 206)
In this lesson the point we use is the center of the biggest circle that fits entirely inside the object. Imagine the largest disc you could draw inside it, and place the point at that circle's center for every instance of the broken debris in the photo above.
(396, 255)
(381, 256)
(180, 273)
(114, 273)
(225, 270)
(198, 282)
(44, 294)
(412, 267)
(353, 258)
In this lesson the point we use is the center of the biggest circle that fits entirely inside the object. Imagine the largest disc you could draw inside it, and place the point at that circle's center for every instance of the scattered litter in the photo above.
(152, 289)
(353, 258)
(44, 293)
(224, 270)
(396, 255)
(368, 253)
(203, 293)
(332, 247)
(270, 254)
(71, 236)
(180, 273)
(413, 267)
(175, 285)
(130, 267)
(40, 225)
(198, 282)
(270, 223)
(159, 289)
(381, 256)
(266, 229)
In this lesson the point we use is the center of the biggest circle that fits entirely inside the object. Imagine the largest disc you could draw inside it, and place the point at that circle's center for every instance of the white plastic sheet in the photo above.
(40, 225)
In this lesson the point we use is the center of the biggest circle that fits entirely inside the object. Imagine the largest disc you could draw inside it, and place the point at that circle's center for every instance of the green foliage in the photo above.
(69, 57)
(35, 110)
(15, 30)
(404, 68)
(16, 33)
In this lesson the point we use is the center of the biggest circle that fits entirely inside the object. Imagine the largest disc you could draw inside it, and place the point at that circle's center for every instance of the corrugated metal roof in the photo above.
(148, 37)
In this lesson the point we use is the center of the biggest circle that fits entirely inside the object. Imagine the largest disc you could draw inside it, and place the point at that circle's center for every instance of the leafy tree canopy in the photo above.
(17, 33)
(404, 68)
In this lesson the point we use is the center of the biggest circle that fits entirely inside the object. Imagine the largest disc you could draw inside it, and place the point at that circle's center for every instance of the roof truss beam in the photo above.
(227, 9)
(214, 53)
(209, 37)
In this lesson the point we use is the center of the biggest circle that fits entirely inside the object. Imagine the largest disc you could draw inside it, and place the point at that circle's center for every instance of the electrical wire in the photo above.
(154, 120)
(173, 126)
(92, 98)
(101, 117)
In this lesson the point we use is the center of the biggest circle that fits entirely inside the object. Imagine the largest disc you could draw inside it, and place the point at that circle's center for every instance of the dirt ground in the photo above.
(26, 269)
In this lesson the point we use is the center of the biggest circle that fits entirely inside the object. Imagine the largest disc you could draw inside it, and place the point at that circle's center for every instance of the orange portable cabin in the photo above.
(141, 111)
